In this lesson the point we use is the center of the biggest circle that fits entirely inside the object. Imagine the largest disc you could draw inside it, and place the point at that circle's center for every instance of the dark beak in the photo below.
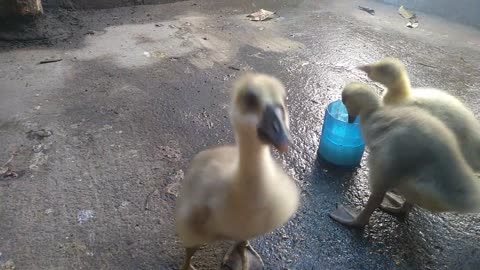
(351, 119)
(272, 130)
(366, 68)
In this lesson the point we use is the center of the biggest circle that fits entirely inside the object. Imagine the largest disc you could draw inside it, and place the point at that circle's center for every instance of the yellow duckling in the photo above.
(459, 119)
(412, 152)
(239, 192)
(454, 114)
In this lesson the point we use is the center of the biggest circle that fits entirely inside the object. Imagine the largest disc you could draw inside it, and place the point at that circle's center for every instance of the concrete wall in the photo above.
(463, 11)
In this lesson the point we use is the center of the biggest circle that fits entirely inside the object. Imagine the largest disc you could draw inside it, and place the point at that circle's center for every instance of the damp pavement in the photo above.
(101, 139)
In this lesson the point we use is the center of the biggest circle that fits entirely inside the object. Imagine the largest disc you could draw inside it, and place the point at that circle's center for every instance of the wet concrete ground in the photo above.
(140, 90)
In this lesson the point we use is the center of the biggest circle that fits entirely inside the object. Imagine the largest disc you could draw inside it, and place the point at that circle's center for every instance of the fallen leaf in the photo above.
(261, 15)
(367, 9)
(412, 24)
(174, 187)
(407, 14)
(8, 265)
(46, 61)
(39, 134)
(10, 173)
(158, 54)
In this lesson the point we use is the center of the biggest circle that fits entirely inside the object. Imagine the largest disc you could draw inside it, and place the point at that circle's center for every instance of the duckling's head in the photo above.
(259, 110)
(359, 99)
(388, 71)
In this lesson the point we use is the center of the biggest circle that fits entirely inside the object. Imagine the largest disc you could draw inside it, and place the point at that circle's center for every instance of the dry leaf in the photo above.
(261, 15)
(407, 14)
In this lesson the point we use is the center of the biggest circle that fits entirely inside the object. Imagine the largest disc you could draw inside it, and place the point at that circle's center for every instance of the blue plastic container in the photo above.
(341, 143)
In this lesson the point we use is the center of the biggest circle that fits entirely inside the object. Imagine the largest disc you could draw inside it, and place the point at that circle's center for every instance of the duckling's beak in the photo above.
(365, 68)
(272, 129)
(351, 119)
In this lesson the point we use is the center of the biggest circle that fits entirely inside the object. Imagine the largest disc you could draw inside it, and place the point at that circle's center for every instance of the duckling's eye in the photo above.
(386, 70)
(251, 101)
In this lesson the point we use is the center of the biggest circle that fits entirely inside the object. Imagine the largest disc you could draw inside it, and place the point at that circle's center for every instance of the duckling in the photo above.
(453, 113)
(412, 152)
(459, 119)
(239, 192)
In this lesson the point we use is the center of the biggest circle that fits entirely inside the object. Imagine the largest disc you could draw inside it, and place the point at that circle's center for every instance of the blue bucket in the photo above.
(341, 143)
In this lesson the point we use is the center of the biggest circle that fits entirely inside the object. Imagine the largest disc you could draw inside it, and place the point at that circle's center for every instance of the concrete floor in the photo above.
(98, 192)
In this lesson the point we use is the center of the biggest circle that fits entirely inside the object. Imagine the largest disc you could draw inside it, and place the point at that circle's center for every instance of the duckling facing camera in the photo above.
(239, 192)
(411, 152)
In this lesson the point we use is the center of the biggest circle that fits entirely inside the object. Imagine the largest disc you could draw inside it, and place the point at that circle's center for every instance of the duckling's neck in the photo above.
(254, 156)
(370, 105)
(399, 91)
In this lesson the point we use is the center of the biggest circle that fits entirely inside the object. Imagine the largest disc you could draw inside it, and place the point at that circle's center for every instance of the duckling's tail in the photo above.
(477, 156)
(470, 146)
(475, 198)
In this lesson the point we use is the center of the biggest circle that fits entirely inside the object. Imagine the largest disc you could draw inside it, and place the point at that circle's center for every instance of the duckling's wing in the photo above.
(439, 190)
(451, 111)
(202, 193)
(198, 218)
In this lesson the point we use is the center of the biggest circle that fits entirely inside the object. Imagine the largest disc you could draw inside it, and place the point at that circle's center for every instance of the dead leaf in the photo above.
(46, 61)
(407, 14)
(173, 189)
(158, 54)
(261, 15)
(8, 265)
(175, 183)
(39, 134)
(10, 173)
(412, 24)
(370, 11)
(6, 170)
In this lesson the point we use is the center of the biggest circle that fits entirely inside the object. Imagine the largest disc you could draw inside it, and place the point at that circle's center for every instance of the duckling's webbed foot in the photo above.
(395, 204)
(242, 256)
(354, 217)
(347, 216)
(392, 201)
